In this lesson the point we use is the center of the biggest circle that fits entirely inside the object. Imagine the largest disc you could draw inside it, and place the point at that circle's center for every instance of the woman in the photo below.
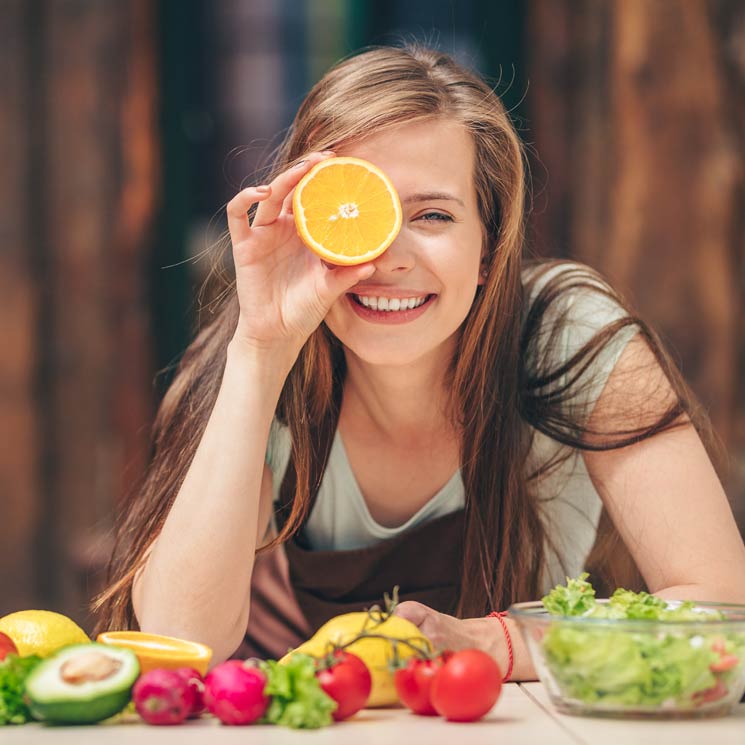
(508, 428)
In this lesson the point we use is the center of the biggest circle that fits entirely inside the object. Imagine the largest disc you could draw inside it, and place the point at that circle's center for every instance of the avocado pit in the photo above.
(89, 667)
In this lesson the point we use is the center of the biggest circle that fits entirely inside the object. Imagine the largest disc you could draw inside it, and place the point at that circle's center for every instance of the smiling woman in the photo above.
(446, 417)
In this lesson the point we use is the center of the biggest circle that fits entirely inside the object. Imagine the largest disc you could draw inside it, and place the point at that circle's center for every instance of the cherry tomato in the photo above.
(724, 663)
(717, 691)
(413, 683)
(466, 686)
(347, 680)
(7, 646)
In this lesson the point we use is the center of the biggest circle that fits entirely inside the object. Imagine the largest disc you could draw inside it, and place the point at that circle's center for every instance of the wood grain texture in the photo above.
(78, 191)
(637, 113)
(21, 451)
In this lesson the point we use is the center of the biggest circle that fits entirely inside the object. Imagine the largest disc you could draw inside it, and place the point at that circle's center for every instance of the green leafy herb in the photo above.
(13, 673)
(297, 698)
(635, 668)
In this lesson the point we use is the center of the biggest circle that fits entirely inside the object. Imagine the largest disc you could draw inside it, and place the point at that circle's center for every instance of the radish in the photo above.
(234, 693)
(195, 681)
(162, 697)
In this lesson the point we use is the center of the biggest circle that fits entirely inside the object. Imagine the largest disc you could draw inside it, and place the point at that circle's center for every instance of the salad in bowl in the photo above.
(634, 653)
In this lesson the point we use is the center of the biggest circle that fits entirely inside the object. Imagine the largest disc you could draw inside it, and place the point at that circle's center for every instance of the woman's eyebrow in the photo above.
(433, 195)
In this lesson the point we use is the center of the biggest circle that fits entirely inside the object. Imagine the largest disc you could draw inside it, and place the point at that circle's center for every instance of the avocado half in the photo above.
(82, 684)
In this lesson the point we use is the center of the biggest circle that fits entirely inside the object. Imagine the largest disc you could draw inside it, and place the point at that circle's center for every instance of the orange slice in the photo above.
(346, 210)
(154, 650)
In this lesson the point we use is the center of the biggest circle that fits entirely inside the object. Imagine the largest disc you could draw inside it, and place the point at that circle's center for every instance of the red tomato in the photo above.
(413, 683)
(717, 691)
(466, 686)
(724, 663)
(347, 681)
(7, 646)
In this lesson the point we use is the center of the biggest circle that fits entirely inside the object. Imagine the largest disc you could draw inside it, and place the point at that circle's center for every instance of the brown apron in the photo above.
(295, 590)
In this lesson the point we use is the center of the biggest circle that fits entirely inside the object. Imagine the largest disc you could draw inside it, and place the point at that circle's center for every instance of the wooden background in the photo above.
(634, 113)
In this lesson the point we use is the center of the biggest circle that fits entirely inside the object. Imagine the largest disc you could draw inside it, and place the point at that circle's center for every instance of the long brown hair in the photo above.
(497, 398)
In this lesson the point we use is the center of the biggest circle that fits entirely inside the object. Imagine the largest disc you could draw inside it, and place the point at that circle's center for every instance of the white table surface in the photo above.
(522, 716)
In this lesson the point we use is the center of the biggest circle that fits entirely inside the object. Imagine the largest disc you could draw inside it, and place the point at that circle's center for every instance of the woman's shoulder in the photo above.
(575, 326)
(570, 299)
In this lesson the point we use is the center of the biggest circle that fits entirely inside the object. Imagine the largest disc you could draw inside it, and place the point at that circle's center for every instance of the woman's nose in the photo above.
(396, 258)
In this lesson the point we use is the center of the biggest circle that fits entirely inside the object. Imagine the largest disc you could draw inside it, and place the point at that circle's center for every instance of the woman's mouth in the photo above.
(379, 309)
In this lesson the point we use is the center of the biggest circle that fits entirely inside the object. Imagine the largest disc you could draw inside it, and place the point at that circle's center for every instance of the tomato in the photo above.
(7, 646)
(414, 681)
(348, 681)
(724, 663)
(717, 691)
(466, 686)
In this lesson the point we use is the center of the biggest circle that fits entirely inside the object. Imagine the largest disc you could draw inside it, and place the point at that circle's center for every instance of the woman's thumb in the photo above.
(341, 278)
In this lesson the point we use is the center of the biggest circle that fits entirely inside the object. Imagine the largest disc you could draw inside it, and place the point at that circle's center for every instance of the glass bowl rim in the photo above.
(534, 610)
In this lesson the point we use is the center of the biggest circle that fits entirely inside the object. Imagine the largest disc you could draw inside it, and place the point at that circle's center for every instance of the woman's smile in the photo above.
(390, 310)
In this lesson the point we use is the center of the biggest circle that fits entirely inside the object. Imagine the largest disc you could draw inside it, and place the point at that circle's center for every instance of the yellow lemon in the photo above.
(374, 651)
(41, 632)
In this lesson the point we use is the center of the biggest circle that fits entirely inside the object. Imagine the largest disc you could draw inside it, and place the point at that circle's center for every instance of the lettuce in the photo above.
(298, 701)
(625, 667)
(13, 673)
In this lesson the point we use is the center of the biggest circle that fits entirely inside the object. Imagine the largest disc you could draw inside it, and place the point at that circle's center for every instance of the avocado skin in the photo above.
(69, 708)
(80, 712)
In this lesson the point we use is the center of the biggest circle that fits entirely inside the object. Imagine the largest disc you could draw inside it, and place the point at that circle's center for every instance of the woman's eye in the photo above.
(435, 217)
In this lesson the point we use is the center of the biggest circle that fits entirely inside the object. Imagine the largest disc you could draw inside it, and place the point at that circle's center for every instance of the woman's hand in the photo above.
(284, 290)
(448, 632)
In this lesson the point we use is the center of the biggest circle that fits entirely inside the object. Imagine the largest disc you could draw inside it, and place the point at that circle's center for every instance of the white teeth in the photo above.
(391, 304)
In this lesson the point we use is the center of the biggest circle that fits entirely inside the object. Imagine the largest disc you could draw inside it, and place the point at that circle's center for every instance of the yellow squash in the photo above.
(375, 652)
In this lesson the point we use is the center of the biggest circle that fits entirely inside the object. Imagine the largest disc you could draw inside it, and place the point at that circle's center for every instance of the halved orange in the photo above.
(155, 650)
(346, 210)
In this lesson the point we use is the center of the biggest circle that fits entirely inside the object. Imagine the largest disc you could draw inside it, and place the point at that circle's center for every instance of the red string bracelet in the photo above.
(499, 615)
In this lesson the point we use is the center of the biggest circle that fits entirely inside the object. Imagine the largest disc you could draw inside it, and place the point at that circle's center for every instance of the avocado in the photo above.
(82, 684)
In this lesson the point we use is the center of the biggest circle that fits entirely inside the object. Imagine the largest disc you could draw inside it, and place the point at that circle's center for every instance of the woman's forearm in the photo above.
(721, 594)
(196, 581)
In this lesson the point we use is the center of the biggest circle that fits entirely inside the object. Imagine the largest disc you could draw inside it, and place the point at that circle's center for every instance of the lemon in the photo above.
(375, 652)
(41, 632)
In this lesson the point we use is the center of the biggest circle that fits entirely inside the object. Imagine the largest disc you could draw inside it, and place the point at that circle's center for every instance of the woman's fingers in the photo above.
(282, 187)
(237, 210)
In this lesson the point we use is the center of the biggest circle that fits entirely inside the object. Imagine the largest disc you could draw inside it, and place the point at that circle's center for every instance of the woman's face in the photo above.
(435, 259)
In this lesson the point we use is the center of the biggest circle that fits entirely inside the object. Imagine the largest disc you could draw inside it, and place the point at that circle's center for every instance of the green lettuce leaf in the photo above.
(573, 599)
(298, 701)
(13, 673)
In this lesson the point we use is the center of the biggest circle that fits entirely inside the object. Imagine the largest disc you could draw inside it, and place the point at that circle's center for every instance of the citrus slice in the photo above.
(41, 632)
(155, 650)
(346, 210)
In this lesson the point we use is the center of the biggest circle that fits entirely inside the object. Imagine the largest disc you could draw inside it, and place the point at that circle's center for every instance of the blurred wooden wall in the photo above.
(638, 114)
(636, 110)
(78, 189)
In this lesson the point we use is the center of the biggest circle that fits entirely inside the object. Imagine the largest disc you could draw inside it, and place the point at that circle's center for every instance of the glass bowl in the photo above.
(641, 668)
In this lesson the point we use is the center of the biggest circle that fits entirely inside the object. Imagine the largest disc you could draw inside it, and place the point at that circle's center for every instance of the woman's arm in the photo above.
(196, 580)
(195, 584)
(663, 494)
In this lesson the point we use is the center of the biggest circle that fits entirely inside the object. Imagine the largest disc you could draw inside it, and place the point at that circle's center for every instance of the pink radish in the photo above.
(234, 693)
(162, 697)
(195, 681)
